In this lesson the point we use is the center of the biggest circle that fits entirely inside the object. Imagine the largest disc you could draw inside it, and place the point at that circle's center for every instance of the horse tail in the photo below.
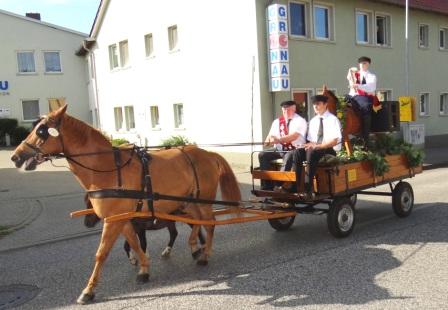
(230, 191)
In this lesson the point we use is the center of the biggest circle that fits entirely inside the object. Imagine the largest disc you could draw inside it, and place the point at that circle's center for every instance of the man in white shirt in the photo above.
(363, 92)
(324, 136)
(287, 132)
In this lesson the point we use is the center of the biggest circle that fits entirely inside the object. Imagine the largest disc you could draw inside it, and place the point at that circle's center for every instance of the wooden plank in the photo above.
(81, 213)
(286, 176)
(176, 218)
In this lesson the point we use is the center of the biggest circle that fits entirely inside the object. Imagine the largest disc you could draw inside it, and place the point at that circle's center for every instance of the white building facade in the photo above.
(204, 69)
(39, 70)
(159, 75)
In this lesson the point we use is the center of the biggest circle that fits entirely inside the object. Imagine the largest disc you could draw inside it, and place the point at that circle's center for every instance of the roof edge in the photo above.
(102, 8)
(43, 23)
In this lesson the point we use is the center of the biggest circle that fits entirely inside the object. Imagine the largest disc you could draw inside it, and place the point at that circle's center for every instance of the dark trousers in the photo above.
(363, 106)
(311, 157)
(265, 159)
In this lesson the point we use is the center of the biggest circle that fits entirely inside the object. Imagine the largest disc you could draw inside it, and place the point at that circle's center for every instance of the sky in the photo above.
(73, 14)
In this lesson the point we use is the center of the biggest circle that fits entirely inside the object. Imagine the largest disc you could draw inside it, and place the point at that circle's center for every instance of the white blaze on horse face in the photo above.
(53, 132)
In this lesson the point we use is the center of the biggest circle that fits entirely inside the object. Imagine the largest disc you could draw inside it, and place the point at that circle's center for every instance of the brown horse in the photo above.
(352, 124)
(172, 173)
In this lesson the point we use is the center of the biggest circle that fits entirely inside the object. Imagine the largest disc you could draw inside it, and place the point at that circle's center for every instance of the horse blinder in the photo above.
(44, 132)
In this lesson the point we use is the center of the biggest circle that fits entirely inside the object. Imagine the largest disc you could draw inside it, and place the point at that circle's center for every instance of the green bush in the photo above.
(7, 125)
(19, 134)
(176, 141)
(119, 141)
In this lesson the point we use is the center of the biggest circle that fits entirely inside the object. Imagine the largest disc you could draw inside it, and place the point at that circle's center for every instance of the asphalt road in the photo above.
(386, 263)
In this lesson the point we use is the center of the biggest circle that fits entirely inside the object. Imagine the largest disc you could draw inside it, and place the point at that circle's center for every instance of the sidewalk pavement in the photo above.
(35, 206)
(435, 157)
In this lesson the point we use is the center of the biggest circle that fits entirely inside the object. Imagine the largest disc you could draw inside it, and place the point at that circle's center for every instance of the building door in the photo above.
(302, 99)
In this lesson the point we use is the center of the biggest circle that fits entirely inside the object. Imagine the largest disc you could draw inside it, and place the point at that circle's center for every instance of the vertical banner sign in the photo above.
(278, 47)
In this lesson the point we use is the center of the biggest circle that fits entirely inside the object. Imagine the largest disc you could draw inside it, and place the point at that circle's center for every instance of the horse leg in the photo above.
(193, 241)
(127, 249)
(108, 237)
(142, 238)
(201, 237)
(131, 237)
(173, 235)
(203, 259)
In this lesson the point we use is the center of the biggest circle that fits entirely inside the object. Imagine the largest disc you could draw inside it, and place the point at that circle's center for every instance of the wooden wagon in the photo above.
(338, 187)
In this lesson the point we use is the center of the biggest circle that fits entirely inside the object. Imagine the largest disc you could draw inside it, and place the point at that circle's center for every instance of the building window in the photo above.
(149, 46)
(113, 56)
(443, 36)
(423, 36)
(52, 62)
(30, 110)
(172, 37)
(384, 95)
(124, 53)
(178, 115)
(444, 104)
(118, 114)
(298, 13)
(363, 27)
(129, 116)
(321, 22)
(25, 62)
(155, 122)
(424, 104)
(383, 30)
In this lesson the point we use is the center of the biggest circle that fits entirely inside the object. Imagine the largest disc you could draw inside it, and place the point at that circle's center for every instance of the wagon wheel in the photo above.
(402, 199)
(282, 224)
(341, 217)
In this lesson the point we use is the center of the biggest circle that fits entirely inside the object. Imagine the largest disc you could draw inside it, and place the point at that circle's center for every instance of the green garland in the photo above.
(341, 104)
(382, 145)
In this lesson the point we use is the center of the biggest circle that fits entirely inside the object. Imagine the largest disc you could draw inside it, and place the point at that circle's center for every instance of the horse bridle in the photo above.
(43, 132)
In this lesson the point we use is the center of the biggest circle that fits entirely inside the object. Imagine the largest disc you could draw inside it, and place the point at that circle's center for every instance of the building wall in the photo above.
(210, 71)
(22, 34)
(314, 63)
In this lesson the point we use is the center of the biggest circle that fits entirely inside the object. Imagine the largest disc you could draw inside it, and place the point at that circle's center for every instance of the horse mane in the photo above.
(85, 132)
(333, 100)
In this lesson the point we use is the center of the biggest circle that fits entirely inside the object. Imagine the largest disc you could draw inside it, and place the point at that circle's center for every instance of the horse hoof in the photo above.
(142, 278)
(84, 299)
(196, 254)
(166, 253)
(202, 262)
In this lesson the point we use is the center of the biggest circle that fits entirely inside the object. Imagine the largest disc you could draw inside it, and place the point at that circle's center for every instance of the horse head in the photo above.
(43, 140)
(332, 100)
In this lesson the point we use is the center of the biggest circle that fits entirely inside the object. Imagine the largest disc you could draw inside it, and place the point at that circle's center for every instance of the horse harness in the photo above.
(146, 190)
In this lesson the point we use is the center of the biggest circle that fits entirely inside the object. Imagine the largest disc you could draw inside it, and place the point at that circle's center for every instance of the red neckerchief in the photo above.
(283, 128)
(375, 101)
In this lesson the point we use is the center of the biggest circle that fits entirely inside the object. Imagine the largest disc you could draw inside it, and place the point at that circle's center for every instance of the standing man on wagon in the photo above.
(287, 132)
(363, 91)
(324, 136)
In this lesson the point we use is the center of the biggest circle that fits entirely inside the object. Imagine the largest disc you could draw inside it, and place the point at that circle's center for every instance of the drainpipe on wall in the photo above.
(406, 65)
(96, 102)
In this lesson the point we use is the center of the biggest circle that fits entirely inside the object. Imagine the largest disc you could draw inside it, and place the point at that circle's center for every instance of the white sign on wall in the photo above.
(278, 47)
(414, 133)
